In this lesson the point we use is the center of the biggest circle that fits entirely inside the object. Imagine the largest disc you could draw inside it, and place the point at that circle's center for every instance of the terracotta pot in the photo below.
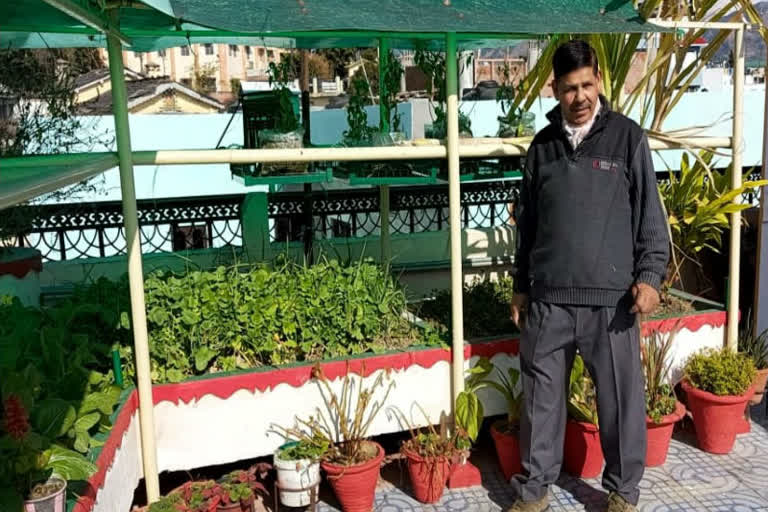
(355, 486)
(464, 473)
(716, 418)
(507, 449)
(761, 379)
(428, 476)
(243, 506)
(583, 455)
(659, 435)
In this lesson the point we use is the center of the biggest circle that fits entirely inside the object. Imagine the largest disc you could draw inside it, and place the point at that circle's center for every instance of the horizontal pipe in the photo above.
(486, 148)
(706, 25)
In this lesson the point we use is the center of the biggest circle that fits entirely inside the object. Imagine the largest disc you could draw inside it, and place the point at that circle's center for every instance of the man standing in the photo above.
(592, 251)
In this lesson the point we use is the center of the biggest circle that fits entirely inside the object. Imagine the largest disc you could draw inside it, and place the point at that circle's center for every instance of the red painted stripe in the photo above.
(107, 456)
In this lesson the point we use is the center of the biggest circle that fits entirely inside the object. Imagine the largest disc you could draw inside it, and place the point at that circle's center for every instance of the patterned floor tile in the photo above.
(690, 481)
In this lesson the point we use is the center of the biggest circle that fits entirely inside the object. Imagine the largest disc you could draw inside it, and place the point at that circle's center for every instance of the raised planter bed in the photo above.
(235, 412)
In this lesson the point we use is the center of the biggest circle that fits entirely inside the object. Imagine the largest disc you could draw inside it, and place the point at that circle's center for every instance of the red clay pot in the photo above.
(583, 456)
(507, 449)
(717, 419)
(463, 473)
(659, 435)
(243, 506)
(355, 486)
(428, 476)
(761, 379)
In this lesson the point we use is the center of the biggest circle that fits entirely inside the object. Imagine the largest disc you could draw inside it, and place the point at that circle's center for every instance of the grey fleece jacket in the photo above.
(590, 222)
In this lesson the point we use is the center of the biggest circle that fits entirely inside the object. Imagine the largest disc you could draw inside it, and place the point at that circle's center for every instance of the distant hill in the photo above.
(754, 46)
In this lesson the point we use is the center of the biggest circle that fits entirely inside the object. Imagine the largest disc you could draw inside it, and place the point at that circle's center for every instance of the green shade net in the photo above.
(318, 23)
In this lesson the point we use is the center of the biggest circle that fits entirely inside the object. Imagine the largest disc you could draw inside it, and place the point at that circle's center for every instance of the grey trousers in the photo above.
(608, 341)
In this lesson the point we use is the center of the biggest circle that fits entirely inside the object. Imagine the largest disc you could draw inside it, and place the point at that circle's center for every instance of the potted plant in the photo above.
(33, 469)
(298, 468)
(469, 415)
(515, 122)
(506, 432)
(430, 453)
(287, 133)
(756, 347)
(663, 408)
(238, 491)
(718, 385)
(583, 455)
(432, 64)
(352, 462)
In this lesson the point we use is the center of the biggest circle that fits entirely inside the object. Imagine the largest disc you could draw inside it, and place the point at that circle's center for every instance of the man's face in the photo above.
(578, 93)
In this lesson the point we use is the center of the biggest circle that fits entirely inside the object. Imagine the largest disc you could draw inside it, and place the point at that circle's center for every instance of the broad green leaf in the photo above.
(68, 464)
(469, 413)
(203, 356)
(82, 442)
(103, 401)
(54, 417)
(85, 423)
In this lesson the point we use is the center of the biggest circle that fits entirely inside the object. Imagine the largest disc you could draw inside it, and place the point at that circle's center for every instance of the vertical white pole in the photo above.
(454, 204)
(760, 309)
(735, 249)
(135, 272)
(384, 113)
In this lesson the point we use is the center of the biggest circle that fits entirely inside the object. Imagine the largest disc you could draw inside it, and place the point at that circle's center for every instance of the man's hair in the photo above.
(573, 55)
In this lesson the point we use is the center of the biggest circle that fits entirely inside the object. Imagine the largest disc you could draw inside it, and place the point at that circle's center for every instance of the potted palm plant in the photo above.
(352, 461)
(663, 408)
(583, 455)
(718, 385)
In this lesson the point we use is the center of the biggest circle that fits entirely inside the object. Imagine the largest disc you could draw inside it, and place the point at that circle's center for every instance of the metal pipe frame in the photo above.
(454, 208)
(135, 270)
(489, 148)
(732, 332)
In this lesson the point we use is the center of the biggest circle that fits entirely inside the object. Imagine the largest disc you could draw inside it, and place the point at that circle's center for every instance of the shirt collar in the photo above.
(571, 129)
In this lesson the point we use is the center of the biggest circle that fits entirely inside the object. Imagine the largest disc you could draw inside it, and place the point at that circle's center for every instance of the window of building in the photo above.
(271, 54)
(248, 51)
(261, 52)
(233, 50)
(187, 82)
(161, 54)
(185, 51)
(208, 49)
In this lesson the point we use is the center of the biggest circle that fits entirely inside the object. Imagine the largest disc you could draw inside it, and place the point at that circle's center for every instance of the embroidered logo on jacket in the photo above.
(599, 164)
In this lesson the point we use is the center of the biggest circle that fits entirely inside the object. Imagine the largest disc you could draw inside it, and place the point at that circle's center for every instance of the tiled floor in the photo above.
(691, 480)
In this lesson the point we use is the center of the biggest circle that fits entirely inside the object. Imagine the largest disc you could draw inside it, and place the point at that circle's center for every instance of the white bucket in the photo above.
(296, 474)
(55, 502)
